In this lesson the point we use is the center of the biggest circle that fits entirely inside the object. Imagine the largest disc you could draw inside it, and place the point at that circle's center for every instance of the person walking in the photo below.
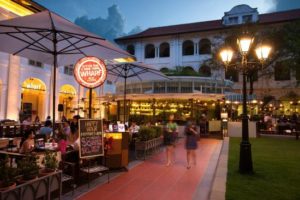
(170, 135)
(191, 143)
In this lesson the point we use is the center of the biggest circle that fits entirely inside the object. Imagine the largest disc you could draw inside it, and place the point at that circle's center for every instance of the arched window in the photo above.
(149, 51)
(204, 46)
(205, 71)
(187, 48)
(164, 50)
(130, 49)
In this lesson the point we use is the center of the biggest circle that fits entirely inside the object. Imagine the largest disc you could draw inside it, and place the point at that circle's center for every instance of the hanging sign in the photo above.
(90, 72)
(91, 138)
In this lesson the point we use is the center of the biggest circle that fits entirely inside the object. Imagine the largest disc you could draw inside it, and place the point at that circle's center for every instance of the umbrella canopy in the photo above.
(49, 38)
(134, 71)
(41, 35)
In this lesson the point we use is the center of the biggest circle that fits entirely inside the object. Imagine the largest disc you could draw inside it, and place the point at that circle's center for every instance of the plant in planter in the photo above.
(7, 176)
(50, 162)
(146, 133)
(28, 167)
(158, 131)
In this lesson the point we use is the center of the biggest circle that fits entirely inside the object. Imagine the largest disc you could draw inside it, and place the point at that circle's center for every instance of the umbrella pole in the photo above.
(54, 79)
(125, 99)
(90, 103)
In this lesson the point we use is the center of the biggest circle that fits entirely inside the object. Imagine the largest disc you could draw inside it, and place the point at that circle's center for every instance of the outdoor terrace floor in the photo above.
(153, 180)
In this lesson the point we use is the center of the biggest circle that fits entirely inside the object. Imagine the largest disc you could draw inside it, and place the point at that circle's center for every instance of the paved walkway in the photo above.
(218, 188)
(153, 180)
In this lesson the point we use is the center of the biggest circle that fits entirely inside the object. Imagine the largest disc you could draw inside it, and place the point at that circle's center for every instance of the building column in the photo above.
(173, 52)
(179, 54)
(56, 95)
(13, 89)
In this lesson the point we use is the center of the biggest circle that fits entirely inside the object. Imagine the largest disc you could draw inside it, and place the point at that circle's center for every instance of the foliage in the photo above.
(146, 133)
(290, 96)
(50, 160)
(267, 99)
(7, 173)
(28, 167)
(164, 70)
(276, 170)
(284, 40)
(158, 131)
(139, 119)
(180, 71)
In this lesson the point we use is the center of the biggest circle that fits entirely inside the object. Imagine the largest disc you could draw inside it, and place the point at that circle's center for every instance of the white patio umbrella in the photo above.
(49, 38)
(134, 71)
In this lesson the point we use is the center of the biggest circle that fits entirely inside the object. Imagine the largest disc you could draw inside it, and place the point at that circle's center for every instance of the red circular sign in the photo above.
(90, 72)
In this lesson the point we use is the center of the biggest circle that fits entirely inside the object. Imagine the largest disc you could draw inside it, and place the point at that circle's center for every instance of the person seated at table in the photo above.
(62, 142)
(75, 143)
(134, 128)
(66, 128)
(105, 128)
(28, 141)
(37, 120)
(46, 130)
(64, 119)
(74, 124)
(48, 118)
(27, 121)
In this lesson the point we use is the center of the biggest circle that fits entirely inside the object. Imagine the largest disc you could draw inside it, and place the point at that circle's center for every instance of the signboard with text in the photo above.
(91, 138)
(90, 72)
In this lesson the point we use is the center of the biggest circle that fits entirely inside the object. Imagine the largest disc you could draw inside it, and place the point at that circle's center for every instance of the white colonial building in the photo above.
(192, 45)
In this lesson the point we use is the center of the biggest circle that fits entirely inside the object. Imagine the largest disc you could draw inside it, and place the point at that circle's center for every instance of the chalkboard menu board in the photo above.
(91, 138)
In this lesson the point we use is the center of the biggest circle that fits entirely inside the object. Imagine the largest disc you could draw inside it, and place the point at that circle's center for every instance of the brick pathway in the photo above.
(153, 180)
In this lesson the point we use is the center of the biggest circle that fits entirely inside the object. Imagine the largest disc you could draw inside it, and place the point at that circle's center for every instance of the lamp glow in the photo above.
(244, 44)
(262, 52)
(226, 55)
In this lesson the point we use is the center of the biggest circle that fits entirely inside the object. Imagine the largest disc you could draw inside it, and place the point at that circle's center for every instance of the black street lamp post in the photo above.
(262, 52)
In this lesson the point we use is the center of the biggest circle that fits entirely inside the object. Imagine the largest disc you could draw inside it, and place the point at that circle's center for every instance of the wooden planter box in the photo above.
(46, 187)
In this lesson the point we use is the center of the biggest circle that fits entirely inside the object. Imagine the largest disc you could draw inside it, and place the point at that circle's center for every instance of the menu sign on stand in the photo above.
(91, 138)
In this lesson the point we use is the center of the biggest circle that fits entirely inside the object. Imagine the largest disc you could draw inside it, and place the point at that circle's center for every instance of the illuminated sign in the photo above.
(33, 86)
(90, 72)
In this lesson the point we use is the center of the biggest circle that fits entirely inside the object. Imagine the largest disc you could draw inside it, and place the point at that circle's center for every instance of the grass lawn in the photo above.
(276, 164)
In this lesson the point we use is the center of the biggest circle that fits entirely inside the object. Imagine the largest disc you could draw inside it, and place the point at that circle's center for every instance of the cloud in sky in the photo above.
(100, 17)
(286, 4)
(110, 27)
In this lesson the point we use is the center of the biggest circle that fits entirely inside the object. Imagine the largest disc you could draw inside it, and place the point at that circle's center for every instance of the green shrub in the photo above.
(28, 167)
(158, 131)
(7, 174)
(50, 160)
(146, 133)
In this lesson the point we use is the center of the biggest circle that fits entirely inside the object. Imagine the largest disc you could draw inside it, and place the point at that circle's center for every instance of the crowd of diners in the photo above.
(65, 134)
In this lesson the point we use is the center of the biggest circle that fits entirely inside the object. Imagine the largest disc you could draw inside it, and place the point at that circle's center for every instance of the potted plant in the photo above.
(7, 176)
(50, 162)
(28, 168)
